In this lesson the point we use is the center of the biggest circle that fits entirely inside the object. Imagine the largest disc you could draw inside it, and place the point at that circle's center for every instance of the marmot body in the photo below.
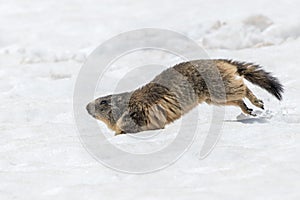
(180, 88)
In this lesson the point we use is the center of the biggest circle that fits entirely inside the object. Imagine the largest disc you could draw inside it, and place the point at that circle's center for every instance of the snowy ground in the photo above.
(42, 47)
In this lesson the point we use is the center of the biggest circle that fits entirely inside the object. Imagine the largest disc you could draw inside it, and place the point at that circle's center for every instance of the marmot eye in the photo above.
(103, 102)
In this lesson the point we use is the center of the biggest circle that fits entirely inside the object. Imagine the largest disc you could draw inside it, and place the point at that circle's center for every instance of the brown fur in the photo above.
(179, 89)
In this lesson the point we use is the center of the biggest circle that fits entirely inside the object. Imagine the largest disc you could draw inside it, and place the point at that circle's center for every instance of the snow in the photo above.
(43, 45)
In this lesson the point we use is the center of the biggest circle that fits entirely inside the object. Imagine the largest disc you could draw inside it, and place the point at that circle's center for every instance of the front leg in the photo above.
(126, 124)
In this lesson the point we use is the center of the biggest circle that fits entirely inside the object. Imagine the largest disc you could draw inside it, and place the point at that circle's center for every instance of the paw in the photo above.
(259, 103)
(250, 112)
(253, 114)
(119, 132)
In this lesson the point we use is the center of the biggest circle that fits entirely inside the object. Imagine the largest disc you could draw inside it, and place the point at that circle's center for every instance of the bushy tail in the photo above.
(256, 75)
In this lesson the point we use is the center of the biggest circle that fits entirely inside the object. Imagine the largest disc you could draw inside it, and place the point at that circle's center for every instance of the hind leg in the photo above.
(254, 100)
(242, 105)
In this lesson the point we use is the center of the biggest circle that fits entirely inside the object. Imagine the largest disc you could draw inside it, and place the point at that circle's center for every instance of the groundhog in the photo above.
(179, 89)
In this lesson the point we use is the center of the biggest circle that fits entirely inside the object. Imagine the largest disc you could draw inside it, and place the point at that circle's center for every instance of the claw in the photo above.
(250, 112)
(259, 103)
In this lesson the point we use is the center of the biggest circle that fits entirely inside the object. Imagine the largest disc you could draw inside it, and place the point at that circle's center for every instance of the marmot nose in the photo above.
(90, 108)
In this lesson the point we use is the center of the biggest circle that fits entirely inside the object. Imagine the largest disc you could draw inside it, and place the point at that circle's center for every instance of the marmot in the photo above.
(177, 90)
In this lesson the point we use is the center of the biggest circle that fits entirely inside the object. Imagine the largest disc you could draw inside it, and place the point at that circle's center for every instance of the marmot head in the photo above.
(109, 109)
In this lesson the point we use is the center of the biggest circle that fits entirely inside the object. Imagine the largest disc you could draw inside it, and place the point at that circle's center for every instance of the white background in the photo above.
(42, 47)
